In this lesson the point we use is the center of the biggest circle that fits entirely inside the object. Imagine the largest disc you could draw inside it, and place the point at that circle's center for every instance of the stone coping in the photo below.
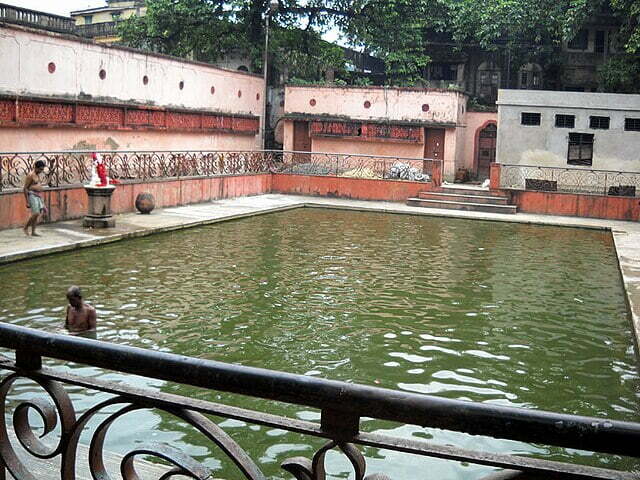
(69, 235)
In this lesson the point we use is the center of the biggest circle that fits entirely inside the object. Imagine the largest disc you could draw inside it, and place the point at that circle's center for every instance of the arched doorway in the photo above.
(486, 149)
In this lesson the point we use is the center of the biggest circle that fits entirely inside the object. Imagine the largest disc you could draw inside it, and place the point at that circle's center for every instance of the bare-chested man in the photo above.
(32, 189)
(80, 316)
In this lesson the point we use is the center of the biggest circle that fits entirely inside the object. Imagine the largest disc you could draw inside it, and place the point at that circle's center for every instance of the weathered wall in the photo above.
(401, 104)
(355, 188)
(71, 202)
(365, 147)
(55, 67)
(58, 139)
(547, 145)
(568, 204)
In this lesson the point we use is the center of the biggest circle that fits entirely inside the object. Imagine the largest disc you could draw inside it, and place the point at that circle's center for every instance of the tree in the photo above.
(210, 29)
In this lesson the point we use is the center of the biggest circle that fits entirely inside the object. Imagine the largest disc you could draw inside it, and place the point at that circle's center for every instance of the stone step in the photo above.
(468, 198)
(471, 191)
(472, 207)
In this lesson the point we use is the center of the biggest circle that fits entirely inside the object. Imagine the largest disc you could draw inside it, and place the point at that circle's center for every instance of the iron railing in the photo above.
(342, 405)
(74, 167)
(570, 180)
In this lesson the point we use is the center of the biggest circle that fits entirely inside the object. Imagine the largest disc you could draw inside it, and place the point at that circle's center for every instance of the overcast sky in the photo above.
(59, 7)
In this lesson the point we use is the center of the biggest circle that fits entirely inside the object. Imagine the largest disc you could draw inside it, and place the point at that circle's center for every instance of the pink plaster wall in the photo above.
(474, 122)
(385, 148)
(27, 53)
(56, 139)
(385, 103)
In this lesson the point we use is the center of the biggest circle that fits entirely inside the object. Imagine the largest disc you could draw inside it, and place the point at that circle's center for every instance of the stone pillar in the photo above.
(99, 214)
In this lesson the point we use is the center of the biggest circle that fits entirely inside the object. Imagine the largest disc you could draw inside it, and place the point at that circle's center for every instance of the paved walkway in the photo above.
(70, 235)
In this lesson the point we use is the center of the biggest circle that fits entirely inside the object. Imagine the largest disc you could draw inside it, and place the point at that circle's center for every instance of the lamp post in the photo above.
(273, 6)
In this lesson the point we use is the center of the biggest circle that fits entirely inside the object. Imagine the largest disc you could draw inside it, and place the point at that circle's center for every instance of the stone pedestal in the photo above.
(99, 214)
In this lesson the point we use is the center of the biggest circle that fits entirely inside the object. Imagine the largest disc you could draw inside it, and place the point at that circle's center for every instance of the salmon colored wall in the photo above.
(591, 206)
(355, 188)
(384, 148)
(70, 203)
(388, 103)
(287, 144)
(34, 139)
(475, 121)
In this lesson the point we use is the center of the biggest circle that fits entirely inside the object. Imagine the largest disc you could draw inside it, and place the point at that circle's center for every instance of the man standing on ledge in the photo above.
(80, 316)
(32, 189)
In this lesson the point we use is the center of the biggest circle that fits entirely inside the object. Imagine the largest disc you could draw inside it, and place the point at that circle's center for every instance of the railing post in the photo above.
(340, 425)
(436, 172)
(494, 176)
(28, 360)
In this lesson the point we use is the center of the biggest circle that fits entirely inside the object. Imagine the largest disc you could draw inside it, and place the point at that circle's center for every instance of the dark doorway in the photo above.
(434, 143)
(301, 138)
(486, 149)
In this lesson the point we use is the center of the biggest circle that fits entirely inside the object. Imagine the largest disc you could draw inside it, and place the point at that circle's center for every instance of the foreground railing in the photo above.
(342, 406)
(570, 180)
(73, 168)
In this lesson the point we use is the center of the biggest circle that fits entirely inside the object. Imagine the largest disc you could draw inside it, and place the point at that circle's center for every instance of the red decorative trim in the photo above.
(367, 131)
(99, 115)
(41, 112)
(183, 120)
(7, 110)
(17, 113)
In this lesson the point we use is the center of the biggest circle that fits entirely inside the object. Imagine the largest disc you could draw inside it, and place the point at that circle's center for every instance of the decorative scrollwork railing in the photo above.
(73, 168)
(570, 180)
(342, 406)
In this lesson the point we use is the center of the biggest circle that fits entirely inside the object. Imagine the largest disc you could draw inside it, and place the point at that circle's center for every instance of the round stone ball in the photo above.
(145, 202)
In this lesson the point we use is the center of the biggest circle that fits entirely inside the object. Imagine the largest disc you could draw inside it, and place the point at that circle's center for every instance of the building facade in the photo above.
(398, 122)
(593, 131)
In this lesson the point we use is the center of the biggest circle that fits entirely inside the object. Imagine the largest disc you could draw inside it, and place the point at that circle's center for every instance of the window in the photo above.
(565, 121)
(601, 123)
(88, 19)
(115, 16)
(528, 118)
(632, 124)
(535, 79)
(580, 41)
(599, 45)
(580, 149)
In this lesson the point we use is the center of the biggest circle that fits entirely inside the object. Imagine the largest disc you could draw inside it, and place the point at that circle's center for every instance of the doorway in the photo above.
(486, 149)
(301, 138)
(434, 143)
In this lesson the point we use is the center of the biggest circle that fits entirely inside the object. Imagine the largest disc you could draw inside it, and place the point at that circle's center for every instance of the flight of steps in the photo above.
(464, 198)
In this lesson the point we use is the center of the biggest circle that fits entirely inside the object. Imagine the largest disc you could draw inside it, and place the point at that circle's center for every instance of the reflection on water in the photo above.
(499, 313)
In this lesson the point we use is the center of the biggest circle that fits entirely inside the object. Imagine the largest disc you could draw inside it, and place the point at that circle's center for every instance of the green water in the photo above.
(499, 313)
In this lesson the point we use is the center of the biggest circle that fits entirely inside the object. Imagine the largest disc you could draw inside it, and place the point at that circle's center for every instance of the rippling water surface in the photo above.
(498, 313)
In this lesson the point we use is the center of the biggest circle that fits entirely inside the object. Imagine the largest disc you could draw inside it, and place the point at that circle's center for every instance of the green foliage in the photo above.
(620, 74)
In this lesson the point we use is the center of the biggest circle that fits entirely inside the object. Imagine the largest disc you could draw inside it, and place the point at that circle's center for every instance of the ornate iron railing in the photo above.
(570, 180)
(72, 168)
(342, 405)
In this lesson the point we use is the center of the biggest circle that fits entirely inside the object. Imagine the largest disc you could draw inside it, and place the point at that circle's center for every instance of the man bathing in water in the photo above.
(32, 189)
(80, 316)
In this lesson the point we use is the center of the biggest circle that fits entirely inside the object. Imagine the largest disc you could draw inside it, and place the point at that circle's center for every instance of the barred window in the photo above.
(529, 118)
(632, 124)
(601, 123)
(580, 149)
(565, 121)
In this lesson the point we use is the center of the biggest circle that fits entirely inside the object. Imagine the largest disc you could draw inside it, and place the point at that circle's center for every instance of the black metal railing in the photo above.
(570, 180)
(342, 405)
(74, 167)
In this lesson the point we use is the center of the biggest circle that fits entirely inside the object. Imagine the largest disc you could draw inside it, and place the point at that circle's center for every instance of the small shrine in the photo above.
(99, 191)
